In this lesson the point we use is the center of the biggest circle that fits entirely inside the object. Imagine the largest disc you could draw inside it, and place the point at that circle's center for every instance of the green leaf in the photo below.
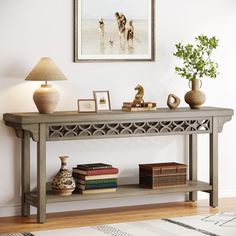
(196, 58)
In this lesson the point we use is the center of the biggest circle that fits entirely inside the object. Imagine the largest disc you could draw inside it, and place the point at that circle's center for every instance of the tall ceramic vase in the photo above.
(195, 98)
(63, 183)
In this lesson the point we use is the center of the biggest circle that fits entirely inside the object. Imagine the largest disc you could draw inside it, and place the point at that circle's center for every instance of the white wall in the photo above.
(32, 29)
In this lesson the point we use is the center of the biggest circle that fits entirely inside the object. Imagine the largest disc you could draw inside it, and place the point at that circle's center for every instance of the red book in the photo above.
(96, 172)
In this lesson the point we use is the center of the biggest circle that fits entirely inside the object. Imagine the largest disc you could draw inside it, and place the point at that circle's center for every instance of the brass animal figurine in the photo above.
(173, 104)
(138, 100)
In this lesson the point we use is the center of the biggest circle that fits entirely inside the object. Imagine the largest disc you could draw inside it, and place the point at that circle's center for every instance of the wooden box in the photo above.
(157, 175)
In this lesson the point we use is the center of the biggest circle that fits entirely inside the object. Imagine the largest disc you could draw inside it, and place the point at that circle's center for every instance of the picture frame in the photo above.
(87, 106)
(102, 99)
(121, 31)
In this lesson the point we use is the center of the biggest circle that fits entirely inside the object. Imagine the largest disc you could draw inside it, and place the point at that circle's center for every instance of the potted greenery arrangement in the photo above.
(197, 64)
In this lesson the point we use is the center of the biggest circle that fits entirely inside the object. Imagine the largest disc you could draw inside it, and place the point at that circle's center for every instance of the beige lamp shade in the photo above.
(46, 97)
(45, 70)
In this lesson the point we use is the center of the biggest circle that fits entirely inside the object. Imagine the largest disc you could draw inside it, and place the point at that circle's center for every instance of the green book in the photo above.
(96, 181)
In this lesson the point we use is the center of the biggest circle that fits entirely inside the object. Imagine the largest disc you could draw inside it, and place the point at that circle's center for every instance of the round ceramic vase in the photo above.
(195, 98)
(63, 183)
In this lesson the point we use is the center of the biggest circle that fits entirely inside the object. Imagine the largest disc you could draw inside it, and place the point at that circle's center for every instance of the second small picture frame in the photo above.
(102, 99)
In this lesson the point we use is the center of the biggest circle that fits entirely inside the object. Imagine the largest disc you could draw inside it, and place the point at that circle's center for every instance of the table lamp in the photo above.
(46, 97)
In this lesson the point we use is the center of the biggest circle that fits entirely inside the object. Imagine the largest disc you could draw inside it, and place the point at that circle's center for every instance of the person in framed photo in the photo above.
(121, 22)
(130, 34)
(101, 28)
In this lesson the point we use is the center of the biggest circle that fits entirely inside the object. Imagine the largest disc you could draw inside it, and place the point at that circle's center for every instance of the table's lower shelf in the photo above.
(122, 191)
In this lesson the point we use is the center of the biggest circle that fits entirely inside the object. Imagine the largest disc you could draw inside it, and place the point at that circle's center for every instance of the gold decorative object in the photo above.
(138, 100)
(173, 101)
(138, 103)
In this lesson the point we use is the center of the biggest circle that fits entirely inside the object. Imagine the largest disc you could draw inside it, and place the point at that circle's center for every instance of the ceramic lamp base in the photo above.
(46, 99)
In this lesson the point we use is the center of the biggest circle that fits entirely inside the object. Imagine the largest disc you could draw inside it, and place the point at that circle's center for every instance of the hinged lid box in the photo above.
(167, 174)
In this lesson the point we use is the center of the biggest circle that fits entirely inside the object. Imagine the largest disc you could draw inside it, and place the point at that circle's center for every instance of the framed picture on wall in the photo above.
(106, 30)
(102, 99)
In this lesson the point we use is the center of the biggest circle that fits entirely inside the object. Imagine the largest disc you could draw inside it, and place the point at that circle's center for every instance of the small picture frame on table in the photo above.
(102, 99)
(87, 105)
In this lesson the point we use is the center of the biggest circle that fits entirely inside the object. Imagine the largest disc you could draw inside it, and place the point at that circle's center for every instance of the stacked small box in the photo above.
(95, 178)
(157, 175)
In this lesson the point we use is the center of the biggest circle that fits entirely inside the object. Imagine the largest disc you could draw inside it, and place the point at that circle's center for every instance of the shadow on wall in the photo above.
(17, 170)
(12, 177)
(16, 70)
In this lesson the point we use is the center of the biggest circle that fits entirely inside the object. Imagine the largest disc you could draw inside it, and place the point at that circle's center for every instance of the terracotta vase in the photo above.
(195, 98)
(63, 183)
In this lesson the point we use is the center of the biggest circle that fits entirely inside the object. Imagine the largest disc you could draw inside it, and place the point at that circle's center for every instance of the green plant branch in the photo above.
(197, 59)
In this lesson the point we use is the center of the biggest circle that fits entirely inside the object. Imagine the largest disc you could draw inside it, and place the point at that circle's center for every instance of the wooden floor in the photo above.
(114, 215)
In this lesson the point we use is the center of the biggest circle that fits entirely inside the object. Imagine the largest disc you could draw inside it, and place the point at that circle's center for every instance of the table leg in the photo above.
(193, 163)
(214, 163)
(25, 168)
(41, 174)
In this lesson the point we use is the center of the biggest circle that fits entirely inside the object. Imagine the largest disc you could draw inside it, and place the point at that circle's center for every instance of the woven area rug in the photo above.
(220, 224)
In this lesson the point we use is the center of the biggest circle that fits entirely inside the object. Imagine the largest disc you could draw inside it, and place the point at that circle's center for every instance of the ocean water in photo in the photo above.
(95, 43)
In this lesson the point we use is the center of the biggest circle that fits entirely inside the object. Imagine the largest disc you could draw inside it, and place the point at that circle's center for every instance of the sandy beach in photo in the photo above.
(95, 44)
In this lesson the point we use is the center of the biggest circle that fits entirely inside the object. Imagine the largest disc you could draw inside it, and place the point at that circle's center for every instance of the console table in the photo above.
(73, 125)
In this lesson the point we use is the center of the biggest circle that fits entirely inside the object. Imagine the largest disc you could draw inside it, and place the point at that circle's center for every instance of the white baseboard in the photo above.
(227, 192)
(14, 210)
(10, 210)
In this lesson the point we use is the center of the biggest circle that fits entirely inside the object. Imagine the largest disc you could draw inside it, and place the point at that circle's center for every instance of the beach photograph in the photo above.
(115, 29)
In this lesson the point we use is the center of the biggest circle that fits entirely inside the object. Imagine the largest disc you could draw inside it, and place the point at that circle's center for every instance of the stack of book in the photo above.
(147, 106)
(95, 178)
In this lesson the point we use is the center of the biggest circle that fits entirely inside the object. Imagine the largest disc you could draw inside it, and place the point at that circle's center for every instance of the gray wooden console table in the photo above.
(72, 126)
